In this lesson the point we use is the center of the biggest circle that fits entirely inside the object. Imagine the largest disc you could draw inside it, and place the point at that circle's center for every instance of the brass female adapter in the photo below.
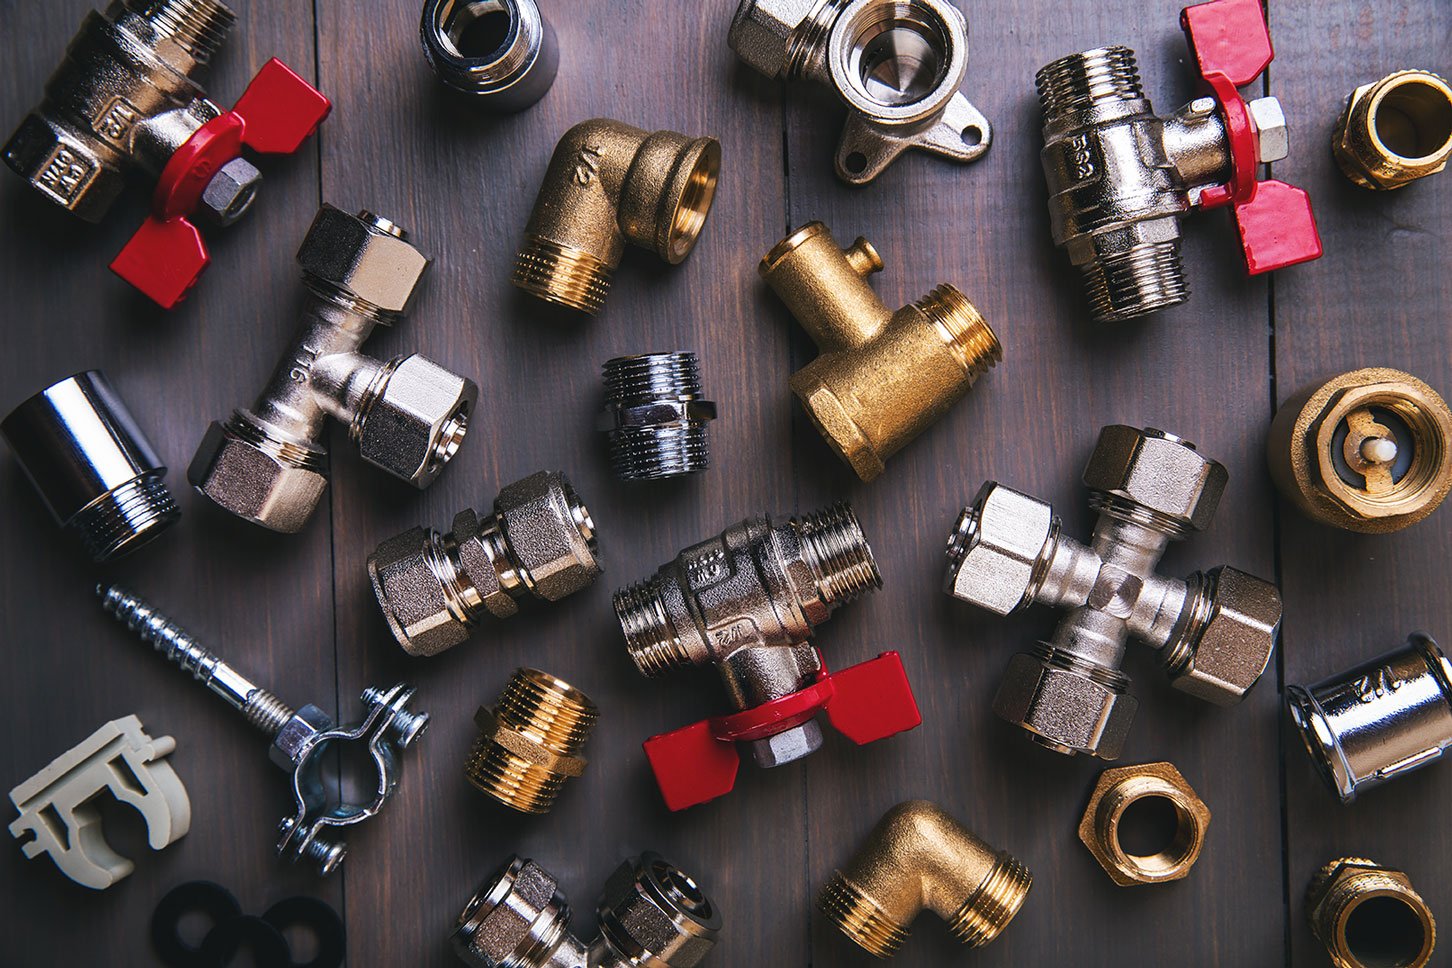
(1119, 789)
(1368, 915)
(918, 857)
(882, 376)
(530, 742)
(1395, 131)
(609, 183)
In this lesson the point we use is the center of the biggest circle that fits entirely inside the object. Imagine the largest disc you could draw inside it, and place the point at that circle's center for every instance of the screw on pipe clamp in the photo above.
(866, 702)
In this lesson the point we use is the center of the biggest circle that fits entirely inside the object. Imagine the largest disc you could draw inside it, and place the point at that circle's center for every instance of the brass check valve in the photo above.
(1215, 630)
(882, 377)
(126, 98)
(747, 601)
(1121, 177)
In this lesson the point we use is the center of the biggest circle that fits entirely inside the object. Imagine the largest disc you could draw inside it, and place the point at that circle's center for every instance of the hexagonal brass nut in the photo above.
(1156, 472)
(418, 420)
(1237, 641)
(1063, 709)
(541, 519)
(1342, 886)
(994, 553)
(263, 487)
(761, 32)
(650, 906)
(413, 599)
(63, 168)
(1114, 792)
(1357, 140)
(352, 254)
(500, 921)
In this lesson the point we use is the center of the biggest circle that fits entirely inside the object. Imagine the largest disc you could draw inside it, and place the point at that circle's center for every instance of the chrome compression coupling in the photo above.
(502, 52)
(655, 416)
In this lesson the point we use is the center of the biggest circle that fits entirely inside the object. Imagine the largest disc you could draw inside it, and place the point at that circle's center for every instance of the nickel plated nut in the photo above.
(656, 416)
(530, 742)
(1395, 130)
(1368, 915)
(501, 52)
(1114, 793)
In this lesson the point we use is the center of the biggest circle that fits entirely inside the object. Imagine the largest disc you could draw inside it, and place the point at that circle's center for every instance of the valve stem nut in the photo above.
(656, 416)
(530, 742)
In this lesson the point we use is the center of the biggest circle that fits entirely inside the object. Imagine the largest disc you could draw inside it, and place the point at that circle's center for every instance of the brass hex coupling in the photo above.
(503, 52)
(608, 184)
(656, 416)
(1119, 789)
(919, 858)
(882, 377)
(895, 64)
(530, 743)
(433, 588)
(1215, 630)
(1369, 916)
(408, 415)
(1369, 450)
(1395, 131)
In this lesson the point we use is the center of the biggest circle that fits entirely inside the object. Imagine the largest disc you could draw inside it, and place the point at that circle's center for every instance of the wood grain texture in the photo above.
(296, 611)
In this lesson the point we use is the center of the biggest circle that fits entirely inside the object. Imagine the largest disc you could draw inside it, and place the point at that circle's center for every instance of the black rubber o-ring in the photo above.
(317, 916)
(268, 946)
(203, 897)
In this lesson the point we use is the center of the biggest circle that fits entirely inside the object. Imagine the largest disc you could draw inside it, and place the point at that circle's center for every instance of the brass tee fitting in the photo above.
(1368, 916)
(1119, 789)
(608, 184)
(1395, 131)
(919, 858)
(882, 377)
(530, 742)
(1369, 450)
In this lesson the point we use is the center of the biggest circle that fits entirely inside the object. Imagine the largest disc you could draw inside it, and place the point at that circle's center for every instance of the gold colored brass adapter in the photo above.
(1368, 916)
(1368, 451)
(529, 744)
(1395, 131)
(1120, 788)
(609, 183)
(882, 376)
(919, 857)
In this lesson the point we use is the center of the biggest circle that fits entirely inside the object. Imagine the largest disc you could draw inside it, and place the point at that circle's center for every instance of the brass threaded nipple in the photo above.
(562, 275)
(984, 915)
(861, 920)
(964, 329)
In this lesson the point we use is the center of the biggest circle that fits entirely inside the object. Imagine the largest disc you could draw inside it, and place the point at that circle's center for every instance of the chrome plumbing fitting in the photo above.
(895, 64)
(651, 915)
(502, 52)
(539, 543)
(407, 415)
(655, 416)
(92, 466)
(1215, 630)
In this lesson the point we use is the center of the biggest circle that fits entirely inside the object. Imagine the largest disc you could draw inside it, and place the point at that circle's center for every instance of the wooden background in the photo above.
(297, 612)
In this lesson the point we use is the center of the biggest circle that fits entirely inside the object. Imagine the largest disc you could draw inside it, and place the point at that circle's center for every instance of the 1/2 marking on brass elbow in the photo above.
(587, 165)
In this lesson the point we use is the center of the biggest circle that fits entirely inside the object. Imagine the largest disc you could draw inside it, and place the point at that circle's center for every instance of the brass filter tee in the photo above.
(1395, 131)
(882, 377)
(1367, 915)
(530, 743)
(919, 858)
(607, 184)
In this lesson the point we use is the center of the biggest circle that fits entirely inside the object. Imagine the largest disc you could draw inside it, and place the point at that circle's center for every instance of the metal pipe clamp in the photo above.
(501, 51)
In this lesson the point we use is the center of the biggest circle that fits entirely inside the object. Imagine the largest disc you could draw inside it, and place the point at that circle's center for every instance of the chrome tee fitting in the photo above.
(1368, 916)
(1215, 630)
(503, 52)
(1395, 130)
(896, 65)
(434, 588)
(651, 915)
(408, 415)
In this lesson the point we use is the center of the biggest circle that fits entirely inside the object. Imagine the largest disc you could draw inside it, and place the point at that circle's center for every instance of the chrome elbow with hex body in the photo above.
(407, 415)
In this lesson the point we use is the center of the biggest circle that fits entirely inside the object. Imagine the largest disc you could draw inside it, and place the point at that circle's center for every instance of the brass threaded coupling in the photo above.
(1369, 916)
(501, 52)
(881, 377)
(530, 742)
(607, 184)
(918, 858)
(1395, 130)
(1117, 791)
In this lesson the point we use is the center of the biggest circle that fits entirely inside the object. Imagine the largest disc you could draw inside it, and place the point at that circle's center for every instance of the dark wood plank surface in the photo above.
(297, 612)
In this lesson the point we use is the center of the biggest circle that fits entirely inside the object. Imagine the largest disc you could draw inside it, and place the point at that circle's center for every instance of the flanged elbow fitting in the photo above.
(1369, 450)
(919, 858)
(882, 377)
(656, 415)
(1122, 787)
(407, 415)
(92, 466)
(1367, 915)
(608, 184)
(434, 588)
(1395, 130)
(502, 52)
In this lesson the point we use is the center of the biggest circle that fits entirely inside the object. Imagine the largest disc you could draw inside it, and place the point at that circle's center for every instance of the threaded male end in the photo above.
(530, 742)
(1088, 79)
(656, 416)
(838, 553)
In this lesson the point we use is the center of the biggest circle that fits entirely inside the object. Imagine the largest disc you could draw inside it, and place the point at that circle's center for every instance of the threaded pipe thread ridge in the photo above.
(963, 328)
(983, 916)
(837, 552)
(1083, 80)
(126, 518)
(1143, 280)
(560, 274)
(859, 918)
(649, 639)
(198, 26)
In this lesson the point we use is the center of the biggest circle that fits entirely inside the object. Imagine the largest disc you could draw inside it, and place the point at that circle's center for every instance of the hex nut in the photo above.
(352, 253)
(527, 748)
(994, 553)
(63, 168)
(761, 32)
(253, 483)
(518, 897)
(291, 743)
(230, 192)
(412, 597)
(540, 517)
(1273, 138)
(1064, 709)
(1156, 472)
(418, 420)
(787, 746)
(649, 905)
(1237, 641)
(1113, 794)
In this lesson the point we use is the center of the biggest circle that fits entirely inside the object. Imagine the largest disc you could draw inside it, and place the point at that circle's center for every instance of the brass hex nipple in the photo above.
(1369, 916)
(1395, 131)
(529, 744)
(918, 857)
(1119, 789)
(609, 183)
(882, 377)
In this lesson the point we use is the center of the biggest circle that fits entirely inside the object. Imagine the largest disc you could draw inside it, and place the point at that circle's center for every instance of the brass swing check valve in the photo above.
(1121, 177)
(747, 601)
(1215, 630)
(408, 415)
(125, 98)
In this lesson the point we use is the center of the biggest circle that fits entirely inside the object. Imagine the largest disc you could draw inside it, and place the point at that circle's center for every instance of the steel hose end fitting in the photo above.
(91, 464)
(1122, 787)
(656, 416)
(1394, 131)
(503, 52)
(653, 913)
(919, 858)
(516, 919)
(607, 184)
(1368, 915)
(531, 741)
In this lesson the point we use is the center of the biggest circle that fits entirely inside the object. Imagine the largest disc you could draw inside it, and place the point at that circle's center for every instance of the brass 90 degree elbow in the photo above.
(882, 377)
(918, 857)
(609, 183)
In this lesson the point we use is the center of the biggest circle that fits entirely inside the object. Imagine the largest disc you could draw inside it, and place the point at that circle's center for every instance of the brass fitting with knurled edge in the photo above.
(529, 744)
(1368, 915)
(1395, 130)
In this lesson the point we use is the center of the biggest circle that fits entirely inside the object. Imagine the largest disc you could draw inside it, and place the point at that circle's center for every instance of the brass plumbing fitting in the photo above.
(1395, 130)
(919, 858)
(651, 915)
(530, 742)
(608, 184)
(882, 377)
(1369, 450)
(1215, 630)
(1368, 916)
(434, 588)
(502, 52)
(407, 415)
(1122, 787)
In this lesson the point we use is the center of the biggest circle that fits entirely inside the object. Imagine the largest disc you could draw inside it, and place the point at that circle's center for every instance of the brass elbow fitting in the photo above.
(1395, 131)
(882, 377)
(1114, 794)
(1367, 915)
(608, 184)
(919, 858)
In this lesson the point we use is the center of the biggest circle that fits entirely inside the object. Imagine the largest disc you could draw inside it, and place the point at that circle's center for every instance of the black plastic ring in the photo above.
(318, 917)
(203, 897)
(266, 943)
